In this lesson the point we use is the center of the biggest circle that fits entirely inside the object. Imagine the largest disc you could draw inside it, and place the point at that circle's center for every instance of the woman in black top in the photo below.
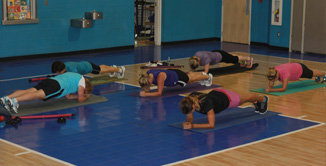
(215, 102)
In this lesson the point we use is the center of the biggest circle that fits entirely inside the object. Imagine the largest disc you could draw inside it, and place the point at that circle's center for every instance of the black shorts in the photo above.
(183, 78)
(49, 86)
(306, 72)
(227, 58)
(96, 68)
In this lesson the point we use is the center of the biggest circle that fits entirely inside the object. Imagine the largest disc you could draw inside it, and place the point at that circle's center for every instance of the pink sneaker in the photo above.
(242, 63)
(250, 62)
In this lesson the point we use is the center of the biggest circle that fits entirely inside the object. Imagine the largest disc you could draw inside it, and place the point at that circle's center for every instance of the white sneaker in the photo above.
(202, 82)
(209, 81)
(113, 73)
(121, 73)
(13, 104)
(4, 102)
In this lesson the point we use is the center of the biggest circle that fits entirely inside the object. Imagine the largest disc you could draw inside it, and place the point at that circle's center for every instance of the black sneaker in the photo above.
(317, 79)
(263, 106)
(257, 106)
(324, 79)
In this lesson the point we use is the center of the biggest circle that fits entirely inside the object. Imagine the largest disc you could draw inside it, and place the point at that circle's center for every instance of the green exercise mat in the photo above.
(104, 80)
(52, 105)
(294, 87)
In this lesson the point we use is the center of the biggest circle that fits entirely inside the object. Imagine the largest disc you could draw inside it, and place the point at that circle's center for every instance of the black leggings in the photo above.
(227, 58)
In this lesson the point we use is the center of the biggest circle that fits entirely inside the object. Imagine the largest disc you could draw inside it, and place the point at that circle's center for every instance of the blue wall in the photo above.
(284, 29)
(54, 34)
(190, 19)
(260, 21)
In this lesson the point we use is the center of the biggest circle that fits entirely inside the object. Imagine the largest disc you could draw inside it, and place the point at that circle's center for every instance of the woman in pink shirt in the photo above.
(290, 72)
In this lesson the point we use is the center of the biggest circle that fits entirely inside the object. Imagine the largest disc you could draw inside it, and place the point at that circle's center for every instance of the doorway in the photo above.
(236, 21)
(144, 22)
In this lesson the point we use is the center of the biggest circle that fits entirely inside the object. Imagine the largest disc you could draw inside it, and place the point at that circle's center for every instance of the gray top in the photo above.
(208, 57)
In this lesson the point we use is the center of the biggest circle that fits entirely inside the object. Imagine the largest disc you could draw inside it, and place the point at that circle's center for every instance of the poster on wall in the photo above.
(277, 12)
(18, 9)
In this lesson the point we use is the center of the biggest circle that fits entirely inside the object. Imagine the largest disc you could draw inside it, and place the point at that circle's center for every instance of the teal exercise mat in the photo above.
(294, 87)
(52, 105)
(228, 118)
(104, 80)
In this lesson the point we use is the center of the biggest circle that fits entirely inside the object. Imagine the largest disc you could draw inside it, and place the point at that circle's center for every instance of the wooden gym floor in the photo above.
(303, 146)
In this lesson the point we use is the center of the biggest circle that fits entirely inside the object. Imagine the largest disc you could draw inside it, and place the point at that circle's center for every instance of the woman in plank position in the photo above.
(55, 87)
(85, 67)
(290, 72)
(215, 102)
(207, 58)
(169, 78)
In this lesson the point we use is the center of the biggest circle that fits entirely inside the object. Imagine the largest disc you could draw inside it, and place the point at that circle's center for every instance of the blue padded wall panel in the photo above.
(190, 19)
(54, 34)
(260, 21)
(284, 30)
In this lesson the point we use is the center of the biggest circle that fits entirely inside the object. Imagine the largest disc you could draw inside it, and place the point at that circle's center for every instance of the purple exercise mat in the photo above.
(176, 90)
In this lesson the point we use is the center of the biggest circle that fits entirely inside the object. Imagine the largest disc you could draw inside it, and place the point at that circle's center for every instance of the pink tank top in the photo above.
(293, 71)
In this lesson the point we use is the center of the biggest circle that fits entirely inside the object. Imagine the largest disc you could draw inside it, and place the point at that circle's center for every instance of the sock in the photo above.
(14, 100)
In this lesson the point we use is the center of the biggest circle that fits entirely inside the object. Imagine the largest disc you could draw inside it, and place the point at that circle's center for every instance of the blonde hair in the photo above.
(88, 86)
(188, 101)
(271, 73)
(144, 82)
(193, 62)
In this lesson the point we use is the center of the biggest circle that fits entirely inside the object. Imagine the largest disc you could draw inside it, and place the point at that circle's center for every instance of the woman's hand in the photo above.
(142, 94)
(187, 125)
(267, 89)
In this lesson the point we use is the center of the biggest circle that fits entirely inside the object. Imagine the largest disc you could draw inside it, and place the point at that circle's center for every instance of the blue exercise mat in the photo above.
(228, 118)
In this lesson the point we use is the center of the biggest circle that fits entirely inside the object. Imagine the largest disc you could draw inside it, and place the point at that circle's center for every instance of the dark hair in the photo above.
(58, 66)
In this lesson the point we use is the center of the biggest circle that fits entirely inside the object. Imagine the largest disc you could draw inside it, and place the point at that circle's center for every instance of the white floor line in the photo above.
(18, 154)
(303, 116)
(301, 119)
(244, 145)
(32, 151)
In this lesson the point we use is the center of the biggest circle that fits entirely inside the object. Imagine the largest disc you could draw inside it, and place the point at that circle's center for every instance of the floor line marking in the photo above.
(18, 154)
(244, 145)
(38, 153)
(301, 119)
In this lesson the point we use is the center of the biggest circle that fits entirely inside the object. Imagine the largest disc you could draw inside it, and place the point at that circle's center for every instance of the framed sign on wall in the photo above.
(19, 12)
(277, 12)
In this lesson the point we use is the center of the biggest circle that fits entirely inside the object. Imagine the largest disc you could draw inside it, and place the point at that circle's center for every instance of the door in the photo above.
(236, 21)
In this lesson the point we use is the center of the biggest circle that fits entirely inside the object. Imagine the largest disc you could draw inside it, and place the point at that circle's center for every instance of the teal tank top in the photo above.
(82, 67)
(68, 82)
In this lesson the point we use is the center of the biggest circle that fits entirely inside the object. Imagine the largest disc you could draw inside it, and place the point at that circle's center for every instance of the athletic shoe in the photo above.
(257, 106)
(4, 102)
(203, 82)
(243, 63)
(263, 106)
(13, 104)
(324, 79)
(121, 73)
(209, 81)
(113, 73)
(250, 62)
(317, 79)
